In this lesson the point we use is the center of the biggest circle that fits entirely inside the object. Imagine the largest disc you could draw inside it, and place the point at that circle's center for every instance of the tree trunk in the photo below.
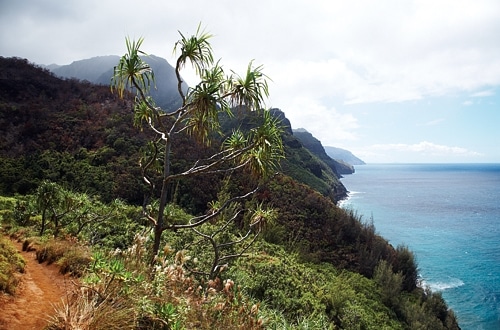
(42, 229)
(158, 229)
(56, 226)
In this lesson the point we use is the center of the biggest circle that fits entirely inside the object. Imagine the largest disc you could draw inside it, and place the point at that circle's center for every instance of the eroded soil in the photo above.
(41, 288)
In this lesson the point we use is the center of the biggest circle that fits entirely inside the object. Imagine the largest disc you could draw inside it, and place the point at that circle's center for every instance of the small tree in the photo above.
(48, 197)
(63, 206)
(406, 264)
(257, 150)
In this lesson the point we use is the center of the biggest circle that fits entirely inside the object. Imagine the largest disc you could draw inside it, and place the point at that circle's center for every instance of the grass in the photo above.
(10, 264)
(85, 310)
(72, 258)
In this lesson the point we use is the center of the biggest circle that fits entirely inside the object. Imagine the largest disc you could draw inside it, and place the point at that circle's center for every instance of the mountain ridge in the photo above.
(99, 70)
(65, 122)
(343, 155)
(310, 142)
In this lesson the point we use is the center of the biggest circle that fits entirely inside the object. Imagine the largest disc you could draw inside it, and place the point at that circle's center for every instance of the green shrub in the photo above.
(390, 284)
(304, 292)
(7, 205)
(10, 263)
(407, 265)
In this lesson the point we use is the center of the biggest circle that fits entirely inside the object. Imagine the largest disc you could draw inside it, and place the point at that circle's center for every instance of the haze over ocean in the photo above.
(449, 216)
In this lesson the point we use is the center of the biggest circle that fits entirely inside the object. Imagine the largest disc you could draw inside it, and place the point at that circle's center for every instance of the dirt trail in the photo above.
(41, 288)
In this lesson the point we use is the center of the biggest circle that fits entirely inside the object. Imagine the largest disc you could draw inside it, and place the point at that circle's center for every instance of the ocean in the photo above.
(449, 216)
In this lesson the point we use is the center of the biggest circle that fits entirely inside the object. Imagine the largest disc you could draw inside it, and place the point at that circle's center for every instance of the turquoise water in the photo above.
(449, 216)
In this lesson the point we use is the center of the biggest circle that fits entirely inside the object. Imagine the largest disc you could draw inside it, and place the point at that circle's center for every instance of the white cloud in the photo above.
(484, 93)
(321, 55)
(364, 51)
(434, 122)
(392, 52)
(424, 147)
(418, 152)
(326, 124)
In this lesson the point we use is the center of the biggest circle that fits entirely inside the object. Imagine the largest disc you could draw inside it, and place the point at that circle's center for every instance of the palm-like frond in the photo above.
(262, 217)
(265, 157)
(251, 89)
(132, 71)
(195, 49)
(204, 104)
(267, 135)
(236, 141)
(143, 112)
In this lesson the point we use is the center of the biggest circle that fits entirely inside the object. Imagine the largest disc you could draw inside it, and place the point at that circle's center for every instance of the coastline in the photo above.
(448, 215)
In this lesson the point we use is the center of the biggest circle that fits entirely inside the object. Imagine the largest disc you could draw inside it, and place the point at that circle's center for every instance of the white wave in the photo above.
(441, 286)
(350, 194)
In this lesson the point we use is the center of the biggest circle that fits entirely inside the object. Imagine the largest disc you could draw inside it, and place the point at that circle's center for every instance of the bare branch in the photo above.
(198, 221)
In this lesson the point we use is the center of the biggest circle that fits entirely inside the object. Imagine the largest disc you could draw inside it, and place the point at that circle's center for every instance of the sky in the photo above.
(390, 80)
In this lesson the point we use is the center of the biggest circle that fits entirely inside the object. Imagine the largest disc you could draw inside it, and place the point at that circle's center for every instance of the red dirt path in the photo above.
(41, 288)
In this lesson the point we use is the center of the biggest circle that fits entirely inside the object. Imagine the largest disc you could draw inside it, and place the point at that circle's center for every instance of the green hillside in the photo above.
(315, 266)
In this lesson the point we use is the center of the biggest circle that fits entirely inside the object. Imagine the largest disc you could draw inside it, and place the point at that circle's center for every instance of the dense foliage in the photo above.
(269, 288)
(317, 266)
(70, 132)
(300, 163)
(10, 264)
(84, 141)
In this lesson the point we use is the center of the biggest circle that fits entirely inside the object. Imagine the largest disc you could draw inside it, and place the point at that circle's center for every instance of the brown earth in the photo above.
(41, 288)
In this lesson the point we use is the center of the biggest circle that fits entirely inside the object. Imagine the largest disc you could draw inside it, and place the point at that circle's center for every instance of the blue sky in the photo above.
(390, 80)
(440, 129)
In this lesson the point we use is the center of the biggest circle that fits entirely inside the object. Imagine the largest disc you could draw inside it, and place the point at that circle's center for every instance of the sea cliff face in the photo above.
(339, 166)
(307, 166)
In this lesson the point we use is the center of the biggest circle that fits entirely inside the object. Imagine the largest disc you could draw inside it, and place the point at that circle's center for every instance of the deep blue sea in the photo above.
(449, 216)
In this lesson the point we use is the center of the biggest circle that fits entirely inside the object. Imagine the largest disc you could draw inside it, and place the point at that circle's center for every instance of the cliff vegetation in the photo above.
(73, 193)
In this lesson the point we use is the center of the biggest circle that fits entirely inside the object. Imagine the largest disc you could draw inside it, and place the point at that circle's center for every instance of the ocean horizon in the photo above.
(449, 216)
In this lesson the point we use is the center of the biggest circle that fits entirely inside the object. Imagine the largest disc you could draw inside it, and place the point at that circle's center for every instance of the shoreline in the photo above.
(444, 235)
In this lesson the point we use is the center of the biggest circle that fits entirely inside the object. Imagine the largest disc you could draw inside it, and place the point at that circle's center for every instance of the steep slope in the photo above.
(81, 134)
(315, 146)
(322, 172)
(300, 162)
(68, 131)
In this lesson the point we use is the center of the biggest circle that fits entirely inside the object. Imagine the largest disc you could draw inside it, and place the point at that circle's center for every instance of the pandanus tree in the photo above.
(256, 151)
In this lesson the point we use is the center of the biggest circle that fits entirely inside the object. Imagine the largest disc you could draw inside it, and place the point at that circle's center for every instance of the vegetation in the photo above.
(257, 151)
(80, 205)
(69, 132)
(271, 287)
(10, 264)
